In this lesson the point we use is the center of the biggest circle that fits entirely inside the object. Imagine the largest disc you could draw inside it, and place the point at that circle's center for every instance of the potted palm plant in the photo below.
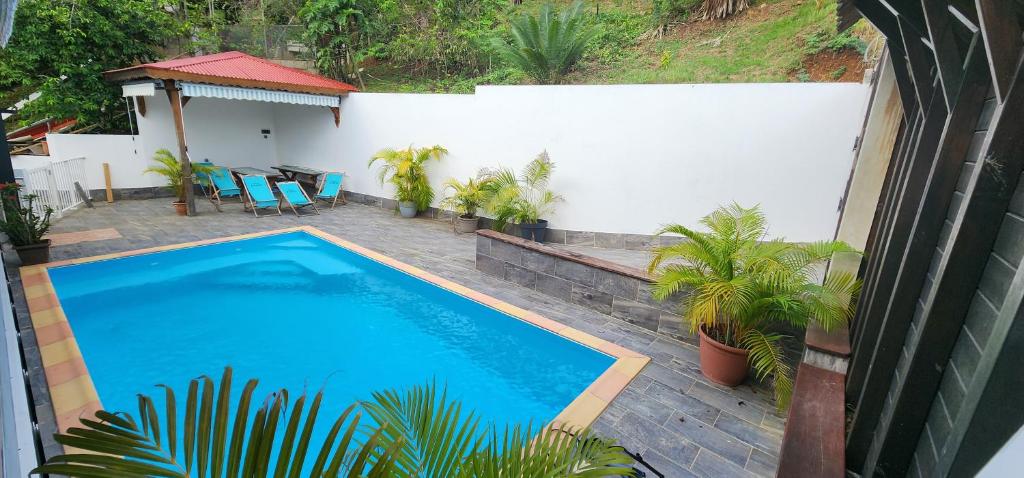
(24, 226)
(170, 168)
(523, 199)
(464, 199)
(741, 288)
(406, 170)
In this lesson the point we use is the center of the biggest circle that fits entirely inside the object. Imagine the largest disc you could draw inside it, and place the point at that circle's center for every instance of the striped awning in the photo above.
(256, 94)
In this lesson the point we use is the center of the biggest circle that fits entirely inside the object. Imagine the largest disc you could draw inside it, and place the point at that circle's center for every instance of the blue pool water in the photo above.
(298, 312)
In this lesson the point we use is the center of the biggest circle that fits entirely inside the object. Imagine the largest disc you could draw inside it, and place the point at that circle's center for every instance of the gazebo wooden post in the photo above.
(174, 96)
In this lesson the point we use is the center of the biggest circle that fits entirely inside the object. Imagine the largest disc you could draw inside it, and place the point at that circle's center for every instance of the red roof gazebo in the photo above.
(230, 75)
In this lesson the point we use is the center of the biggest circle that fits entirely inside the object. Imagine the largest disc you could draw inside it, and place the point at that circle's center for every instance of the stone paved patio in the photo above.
(678, 421)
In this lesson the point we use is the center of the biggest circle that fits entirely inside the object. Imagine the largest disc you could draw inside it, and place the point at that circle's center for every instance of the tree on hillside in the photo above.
(60, 49)
(548, 45)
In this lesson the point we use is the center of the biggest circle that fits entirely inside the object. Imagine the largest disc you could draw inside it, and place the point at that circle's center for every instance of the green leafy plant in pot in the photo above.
(464, 199)
(405, 169)
(24, 226)
(170, 168)
(742, 290)
(523, 199)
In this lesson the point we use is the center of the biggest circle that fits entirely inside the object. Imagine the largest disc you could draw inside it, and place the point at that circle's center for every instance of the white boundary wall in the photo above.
(629, 158)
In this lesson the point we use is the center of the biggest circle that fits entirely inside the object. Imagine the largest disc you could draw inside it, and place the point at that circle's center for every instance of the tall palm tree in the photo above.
(416, 433)
(547, 46)
(740, 286)
(406, 170)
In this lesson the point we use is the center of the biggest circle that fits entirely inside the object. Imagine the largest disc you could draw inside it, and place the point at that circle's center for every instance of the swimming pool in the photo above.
(301, 309)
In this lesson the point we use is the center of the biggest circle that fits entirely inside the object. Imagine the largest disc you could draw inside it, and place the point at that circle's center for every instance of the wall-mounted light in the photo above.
(265, 133)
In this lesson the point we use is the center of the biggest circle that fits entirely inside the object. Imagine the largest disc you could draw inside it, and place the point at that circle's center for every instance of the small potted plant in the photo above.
(24, 226)
(741, 287)
(170, 168)
(464, 200)
(406, 170)
(523, 199)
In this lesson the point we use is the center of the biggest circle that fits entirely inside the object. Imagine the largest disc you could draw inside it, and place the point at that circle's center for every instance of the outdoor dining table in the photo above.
(298, 173)
(250, 171)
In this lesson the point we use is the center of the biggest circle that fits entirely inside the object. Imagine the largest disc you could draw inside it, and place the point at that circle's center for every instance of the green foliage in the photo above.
(522, 199)
(406, 170)
(465, 198)
(740, 285)
(22, 223)
(416, 433)
(332, 29)
(61, 49)
(664, 12)
(170, 168)
(835, 42)
(546, 46)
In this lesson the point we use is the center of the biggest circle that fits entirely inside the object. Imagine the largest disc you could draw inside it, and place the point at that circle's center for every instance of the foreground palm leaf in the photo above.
(122, 446)
(740, 286)
(440, 440)
(423, 434)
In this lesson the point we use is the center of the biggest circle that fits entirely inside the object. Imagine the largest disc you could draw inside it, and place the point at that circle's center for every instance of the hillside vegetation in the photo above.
(773, 41)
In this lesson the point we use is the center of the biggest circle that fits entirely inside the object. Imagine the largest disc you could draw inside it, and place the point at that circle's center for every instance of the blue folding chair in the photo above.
(296, 198)
(330, 189)
(257, 188)
(223, 185)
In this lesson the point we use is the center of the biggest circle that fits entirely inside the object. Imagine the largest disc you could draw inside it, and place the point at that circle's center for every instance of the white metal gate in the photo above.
(54, 185)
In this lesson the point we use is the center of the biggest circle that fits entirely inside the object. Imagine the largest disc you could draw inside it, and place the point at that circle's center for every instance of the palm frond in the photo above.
(768, 362)
(437, 436)
(121, 446)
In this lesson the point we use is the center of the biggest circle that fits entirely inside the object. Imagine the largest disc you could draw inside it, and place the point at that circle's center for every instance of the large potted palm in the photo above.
(406, 170)
(170, 168)
(523, 199)
(419, 432)
(742, 289)
(464, 199)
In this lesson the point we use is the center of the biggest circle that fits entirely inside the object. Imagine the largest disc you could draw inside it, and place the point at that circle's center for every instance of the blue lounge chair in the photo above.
(257, 188)
(330, 189)
(223, 186)
(296, 198)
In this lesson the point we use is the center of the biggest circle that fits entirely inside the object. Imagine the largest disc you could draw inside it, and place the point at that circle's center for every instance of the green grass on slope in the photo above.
(762, 45)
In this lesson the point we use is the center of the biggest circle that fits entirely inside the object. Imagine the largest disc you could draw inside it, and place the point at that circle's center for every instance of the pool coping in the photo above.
(73, 395)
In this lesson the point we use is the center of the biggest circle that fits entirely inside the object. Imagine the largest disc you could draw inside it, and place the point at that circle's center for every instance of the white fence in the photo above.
(53, 185)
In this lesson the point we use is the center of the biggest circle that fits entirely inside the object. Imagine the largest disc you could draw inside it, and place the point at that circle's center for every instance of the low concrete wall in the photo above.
(613, 289)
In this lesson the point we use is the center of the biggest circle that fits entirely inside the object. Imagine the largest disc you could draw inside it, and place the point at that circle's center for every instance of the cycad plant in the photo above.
(741, 286)
(523, 198)
(170, 168)
(547, 46)
(406, 170)
(416, 433)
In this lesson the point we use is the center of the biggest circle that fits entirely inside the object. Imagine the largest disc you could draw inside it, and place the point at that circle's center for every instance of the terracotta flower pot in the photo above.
(34, 253)
(180, 208)
(721, 363)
